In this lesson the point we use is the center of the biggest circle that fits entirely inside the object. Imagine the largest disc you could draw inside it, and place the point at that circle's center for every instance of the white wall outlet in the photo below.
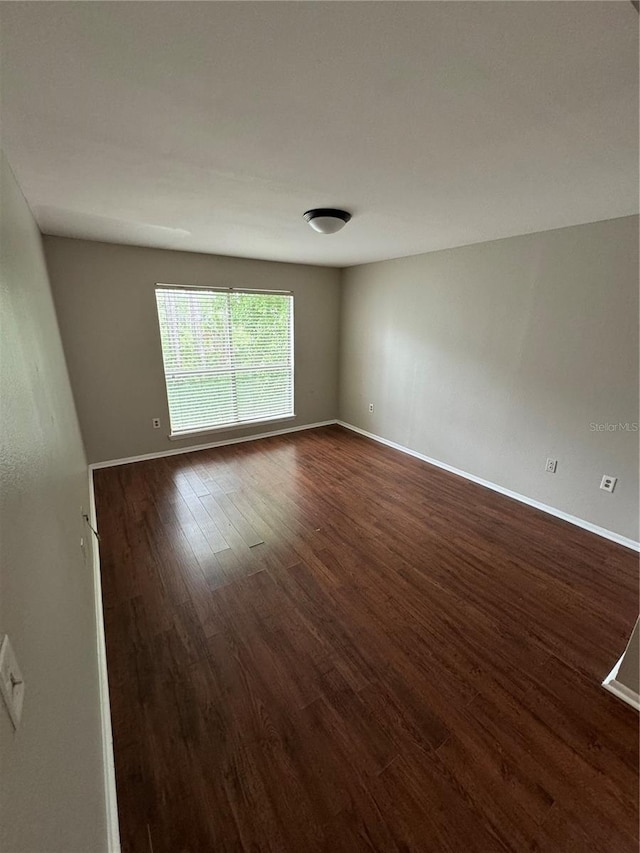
(551, 466)
(11, 682)
(371, 408)
(608, 483)
(156, 423)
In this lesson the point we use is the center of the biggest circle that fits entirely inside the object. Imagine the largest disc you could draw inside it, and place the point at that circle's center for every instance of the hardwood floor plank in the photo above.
(316, 643)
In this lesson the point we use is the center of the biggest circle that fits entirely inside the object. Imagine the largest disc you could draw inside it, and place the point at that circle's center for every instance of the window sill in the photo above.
(178, 436)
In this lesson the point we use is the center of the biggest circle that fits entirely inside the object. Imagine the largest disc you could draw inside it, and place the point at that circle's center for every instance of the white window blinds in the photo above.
(228, 356)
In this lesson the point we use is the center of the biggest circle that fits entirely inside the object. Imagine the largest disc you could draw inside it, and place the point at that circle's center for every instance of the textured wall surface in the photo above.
(51, 796)
(105, 299)
(493, 357)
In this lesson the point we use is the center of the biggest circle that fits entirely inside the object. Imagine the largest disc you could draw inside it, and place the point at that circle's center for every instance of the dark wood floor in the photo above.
(316, 643)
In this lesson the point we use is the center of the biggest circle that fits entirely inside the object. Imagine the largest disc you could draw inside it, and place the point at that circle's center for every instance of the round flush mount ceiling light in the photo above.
(327, 220)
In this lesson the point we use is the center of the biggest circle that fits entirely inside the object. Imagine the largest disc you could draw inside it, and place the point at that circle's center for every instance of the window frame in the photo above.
(176, 435)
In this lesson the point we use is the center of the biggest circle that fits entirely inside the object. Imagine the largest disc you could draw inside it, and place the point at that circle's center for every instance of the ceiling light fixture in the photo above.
(327, 220)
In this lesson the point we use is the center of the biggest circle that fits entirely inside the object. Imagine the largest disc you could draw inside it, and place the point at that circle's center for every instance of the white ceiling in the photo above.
(213, 126)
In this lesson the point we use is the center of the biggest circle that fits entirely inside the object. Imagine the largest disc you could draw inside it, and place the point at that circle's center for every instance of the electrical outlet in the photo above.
(371, 408)
(608, 483)
(551, 466)
(11, 682)
(156, 423)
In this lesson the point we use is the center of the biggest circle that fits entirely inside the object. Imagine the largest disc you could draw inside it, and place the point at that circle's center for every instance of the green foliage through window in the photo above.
(228, 356)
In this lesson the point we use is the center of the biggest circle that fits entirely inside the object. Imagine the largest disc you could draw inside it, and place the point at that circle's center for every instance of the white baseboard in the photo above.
(110, 463)
(558, 513)
(108, 762)
(621, 690)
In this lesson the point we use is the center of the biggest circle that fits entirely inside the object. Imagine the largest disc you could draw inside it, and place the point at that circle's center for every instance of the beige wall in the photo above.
(105, 301)
(495, 356)
(51, 790)
(629, 672)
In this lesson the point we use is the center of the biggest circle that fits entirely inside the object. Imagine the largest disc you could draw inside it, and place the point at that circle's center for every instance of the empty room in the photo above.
(319, 460)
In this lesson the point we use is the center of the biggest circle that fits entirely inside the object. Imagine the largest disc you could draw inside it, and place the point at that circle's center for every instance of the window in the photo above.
(228, 356)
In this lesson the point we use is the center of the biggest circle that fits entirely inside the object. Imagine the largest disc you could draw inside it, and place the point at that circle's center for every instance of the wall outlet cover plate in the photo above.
(11, 681)
(608, 483)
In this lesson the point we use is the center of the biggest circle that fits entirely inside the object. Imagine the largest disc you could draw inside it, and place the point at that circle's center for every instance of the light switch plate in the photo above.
(11, 681)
